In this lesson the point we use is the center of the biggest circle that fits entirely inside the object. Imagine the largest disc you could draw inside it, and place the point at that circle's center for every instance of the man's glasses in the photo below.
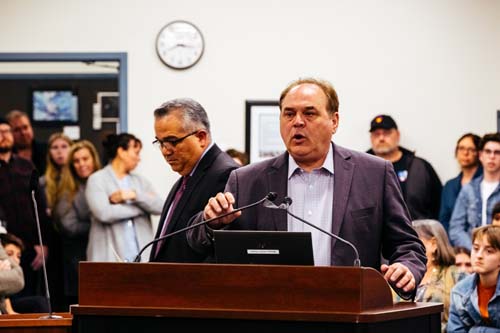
(491, 152)
(171, 142)
(469, 150)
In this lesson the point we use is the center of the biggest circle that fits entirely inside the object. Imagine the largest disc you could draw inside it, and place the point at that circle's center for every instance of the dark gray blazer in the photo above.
(368, 209)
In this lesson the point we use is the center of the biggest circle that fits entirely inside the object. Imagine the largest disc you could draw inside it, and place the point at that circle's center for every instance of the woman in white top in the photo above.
(120, 203)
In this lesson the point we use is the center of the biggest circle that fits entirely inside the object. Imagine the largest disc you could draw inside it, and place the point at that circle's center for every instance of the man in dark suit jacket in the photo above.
(367, 207)
(183, 136)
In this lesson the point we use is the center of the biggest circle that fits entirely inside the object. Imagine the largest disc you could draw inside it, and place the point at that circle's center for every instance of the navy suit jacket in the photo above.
(368, 210)
(209, 178)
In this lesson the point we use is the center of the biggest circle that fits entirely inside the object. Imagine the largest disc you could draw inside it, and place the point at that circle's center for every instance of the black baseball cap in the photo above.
(382, 121)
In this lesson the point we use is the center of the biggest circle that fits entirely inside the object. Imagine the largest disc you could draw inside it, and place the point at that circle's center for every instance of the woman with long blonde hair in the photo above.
(72, 214)
(57, 157)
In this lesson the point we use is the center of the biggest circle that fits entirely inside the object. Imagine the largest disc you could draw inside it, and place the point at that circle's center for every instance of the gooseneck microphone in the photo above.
(269, 198)
(287, 201)
(33, 188)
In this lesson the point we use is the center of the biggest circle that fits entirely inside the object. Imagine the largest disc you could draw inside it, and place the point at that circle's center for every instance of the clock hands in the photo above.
(188, 46)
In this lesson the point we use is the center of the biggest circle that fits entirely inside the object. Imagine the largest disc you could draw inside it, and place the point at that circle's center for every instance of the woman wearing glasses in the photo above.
(120, 203)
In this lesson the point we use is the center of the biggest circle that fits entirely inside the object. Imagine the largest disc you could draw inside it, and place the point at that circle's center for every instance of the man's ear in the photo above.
(202, 135)
(335, 122)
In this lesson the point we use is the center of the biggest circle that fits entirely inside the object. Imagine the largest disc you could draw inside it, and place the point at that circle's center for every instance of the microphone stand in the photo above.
(47, 292)
(288, 201)
(271, 196)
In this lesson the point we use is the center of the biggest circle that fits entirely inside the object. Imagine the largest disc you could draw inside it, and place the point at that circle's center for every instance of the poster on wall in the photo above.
(262, 135)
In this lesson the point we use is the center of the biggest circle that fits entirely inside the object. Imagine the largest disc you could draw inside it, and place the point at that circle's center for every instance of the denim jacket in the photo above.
(464, 308)
(467, 213)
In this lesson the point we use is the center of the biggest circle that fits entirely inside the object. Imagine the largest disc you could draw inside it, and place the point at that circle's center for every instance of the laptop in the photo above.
(263, 247)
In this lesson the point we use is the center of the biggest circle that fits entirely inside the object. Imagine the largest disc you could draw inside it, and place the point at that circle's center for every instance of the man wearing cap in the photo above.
(419, 182)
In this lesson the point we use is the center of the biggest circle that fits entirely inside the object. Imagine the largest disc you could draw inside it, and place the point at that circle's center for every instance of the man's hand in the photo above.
(121, 196)
(222, 203)
(399, 275)
(38, 261)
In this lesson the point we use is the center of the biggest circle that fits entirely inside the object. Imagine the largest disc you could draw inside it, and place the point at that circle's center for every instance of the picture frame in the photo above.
(54, 106)
(262, 130)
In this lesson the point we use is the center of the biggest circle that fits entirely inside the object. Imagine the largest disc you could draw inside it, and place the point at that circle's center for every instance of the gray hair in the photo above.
(193, 114)
(428, 229)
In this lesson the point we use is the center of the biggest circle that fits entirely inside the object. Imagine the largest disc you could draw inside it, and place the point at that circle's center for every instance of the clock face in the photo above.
(179, 44)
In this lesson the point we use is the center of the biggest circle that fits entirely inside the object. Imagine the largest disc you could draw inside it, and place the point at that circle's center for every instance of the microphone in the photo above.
(33, 188)
(269, 198)
(287, 201)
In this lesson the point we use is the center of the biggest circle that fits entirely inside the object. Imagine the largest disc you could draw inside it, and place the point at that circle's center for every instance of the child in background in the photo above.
(495, 214)
(475, 301)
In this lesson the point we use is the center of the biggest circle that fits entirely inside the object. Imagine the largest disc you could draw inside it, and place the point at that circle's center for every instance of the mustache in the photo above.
(4, 150)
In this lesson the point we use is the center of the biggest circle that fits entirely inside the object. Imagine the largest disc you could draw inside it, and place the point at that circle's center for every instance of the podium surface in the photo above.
(31, 323)
(126, 297)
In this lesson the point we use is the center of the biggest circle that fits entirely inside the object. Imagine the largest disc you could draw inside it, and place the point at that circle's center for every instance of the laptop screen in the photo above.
(263, 247)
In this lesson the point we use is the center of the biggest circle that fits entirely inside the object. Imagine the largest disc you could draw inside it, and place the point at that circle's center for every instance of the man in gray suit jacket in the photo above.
(183, 136)
(351, 194)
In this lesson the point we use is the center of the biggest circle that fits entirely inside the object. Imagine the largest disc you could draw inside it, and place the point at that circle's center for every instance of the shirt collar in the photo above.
(327, 164)
(204, 152)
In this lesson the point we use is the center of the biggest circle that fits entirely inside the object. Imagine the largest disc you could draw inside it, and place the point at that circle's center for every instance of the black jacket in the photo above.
(208, 179)
(423, 187)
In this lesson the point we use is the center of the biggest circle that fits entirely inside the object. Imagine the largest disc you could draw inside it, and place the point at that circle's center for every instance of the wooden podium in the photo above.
(135, 297)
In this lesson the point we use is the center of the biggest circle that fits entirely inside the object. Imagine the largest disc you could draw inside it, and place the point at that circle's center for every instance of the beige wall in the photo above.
(432, 64)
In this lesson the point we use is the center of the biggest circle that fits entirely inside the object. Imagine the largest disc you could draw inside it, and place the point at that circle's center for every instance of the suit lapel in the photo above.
(192, 184)
(343, 173)
(164, 212)
(166, 206)
(277, 178)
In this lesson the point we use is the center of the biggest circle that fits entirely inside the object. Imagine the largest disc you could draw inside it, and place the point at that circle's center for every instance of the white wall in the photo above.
(432, 64)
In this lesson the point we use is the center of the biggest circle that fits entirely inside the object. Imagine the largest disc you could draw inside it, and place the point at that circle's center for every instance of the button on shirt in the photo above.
(312, 195)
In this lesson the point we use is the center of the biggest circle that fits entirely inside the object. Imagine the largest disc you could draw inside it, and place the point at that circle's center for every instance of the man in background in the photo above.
(419, 182)
(183, 136)
(17, 207)
(475, 201)
(24, 139)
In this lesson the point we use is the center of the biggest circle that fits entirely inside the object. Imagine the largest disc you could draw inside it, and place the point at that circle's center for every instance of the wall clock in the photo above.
(180, 44)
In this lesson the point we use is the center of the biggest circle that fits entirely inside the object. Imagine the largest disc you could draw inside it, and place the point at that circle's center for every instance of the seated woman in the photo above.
(72, 214)
(120, 202)
(441, 274)
(11, 278)
(462, 259)
(13, 247)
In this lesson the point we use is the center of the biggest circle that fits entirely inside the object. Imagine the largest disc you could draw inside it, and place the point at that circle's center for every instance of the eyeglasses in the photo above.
(461, 149)
(496, 153)
(171, 142)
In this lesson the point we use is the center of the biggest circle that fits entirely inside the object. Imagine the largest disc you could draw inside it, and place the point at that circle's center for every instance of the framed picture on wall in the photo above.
(54, 106)
(262, 132)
